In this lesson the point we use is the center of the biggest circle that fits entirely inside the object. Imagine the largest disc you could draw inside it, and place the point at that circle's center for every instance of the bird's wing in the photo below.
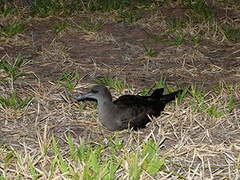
(134, 111)
(157, 93)
(132, 100)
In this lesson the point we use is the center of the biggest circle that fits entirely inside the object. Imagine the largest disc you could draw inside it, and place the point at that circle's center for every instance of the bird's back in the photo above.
(133, 111)
(137, 109)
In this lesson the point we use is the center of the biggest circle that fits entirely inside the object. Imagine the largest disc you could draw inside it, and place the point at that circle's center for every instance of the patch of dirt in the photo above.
(117, 50)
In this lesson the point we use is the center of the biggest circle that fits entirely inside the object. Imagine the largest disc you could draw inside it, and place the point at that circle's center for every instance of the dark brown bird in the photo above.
(128, 111)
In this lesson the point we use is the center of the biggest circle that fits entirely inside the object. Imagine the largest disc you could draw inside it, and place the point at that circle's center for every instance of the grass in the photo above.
(130, 15)
(11, 30)
(176, 23)
(179, 39)
(43, 136)
(14, 101)
(201, 8)
(107, 5)
(161, 83)
(6, 8)
(59, 27)
(150, 52)
(69, 80)
(12, 71)
(173, 34)
(86, 161)
(90, 24)
(113, 83)
(124, 154)
(202, 102)
(156, 38)
(195, 39)
(232, 34)
(46, 8)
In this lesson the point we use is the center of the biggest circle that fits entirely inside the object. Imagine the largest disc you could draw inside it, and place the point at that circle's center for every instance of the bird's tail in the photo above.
(170, 97)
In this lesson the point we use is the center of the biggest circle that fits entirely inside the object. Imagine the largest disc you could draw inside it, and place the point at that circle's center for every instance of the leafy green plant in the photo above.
(201, 103)
(44, 8)
(134, 169)
(12, 70)
(2, 177)
(214, 111)
(59, 161)
(12, 73)
(144, 91)
(230, 104)
(33, 171)
(10, 30)
(178, 40)
(194, 39)
(115, 145)
(199, 97)
(69, 80)
(181, 96)
(146, 159)
(14, 101)
(161, 83)
(150, 52)
(92, 160)
(114, 83)
(8, 158)
(94, 165)
(59, 27)
(152, 161)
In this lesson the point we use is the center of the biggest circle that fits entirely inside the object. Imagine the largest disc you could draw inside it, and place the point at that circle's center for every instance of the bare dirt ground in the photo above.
(116, 50)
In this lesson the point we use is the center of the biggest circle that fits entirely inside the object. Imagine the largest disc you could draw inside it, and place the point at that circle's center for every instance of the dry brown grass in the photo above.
(194, 142)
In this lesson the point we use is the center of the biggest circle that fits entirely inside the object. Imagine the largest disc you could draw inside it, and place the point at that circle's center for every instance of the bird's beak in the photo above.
(83, 97)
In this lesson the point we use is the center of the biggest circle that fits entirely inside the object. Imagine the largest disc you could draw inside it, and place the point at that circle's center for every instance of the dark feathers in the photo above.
(128, 111)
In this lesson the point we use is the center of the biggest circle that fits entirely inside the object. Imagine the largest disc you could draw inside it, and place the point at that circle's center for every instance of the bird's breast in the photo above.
(108, 116)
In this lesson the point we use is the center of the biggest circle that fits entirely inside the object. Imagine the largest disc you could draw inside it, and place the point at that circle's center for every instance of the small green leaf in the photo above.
(33, 171)
(55, 146)
(63, 166)
(72, 148)
(230, 104)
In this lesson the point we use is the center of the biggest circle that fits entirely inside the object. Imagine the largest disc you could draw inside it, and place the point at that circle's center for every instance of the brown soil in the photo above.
(116, 51)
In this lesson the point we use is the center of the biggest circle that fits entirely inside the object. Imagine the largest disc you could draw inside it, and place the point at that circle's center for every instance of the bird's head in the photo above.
(97, 92)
